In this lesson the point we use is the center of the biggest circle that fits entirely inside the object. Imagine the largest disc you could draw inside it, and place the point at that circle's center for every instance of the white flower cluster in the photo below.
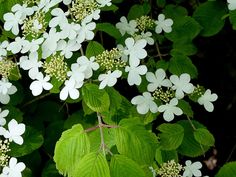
(13, 133)
(169, 91)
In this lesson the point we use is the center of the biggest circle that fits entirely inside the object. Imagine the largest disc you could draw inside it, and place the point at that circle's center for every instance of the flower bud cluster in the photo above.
(6, 67)
(164, 96)
(4, 149)
(170, 169)
(144, 23)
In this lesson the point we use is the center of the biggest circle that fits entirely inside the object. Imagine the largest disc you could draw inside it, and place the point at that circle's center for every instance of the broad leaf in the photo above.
(137, 11)
(70, 149)
(171, 136)
(232, 18)
(95, 98)
(203, 136)
(228, 170)
(94, 48)
(109, 29)
(162, 156)
(93, 164)
(123, 166)
(185, 107)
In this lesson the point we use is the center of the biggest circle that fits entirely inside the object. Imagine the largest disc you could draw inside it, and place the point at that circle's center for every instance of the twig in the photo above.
(36, 99)
(231, 153)
(158, 51)
(103, 146)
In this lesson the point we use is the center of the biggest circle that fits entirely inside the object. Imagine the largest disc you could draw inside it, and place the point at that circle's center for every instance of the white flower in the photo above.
(157, 80)
(37, 26)
(31, 63)
(3, 114)
(134, 74)
(232, 4)
(6, 89)
(12, 22)
(58, 19)
(45, 5)
(14, 169)
(121, 48)
(192, 169)
(109, 79)
(145, 103)
(15, 131)
(206, 100)
(32, 46)
(77, 74)
(94, 15)
(104, 2)
(170, 109)
(126, 27)
(90, 65)
(163, 24)
(85, 32)
(67, 2)
(147, 36)
(50, 44)
(69, 90)
(67, 48)
(16, 45)
(69, 30)
(39, 84)
(135, 50)
(23, 10)
(181, 85)
(3, 51)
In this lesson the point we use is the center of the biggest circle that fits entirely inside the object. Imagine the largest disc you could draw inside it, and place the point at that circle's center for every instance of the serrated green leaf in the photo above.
(171, 136)
(109, 29)
(190, 147)
(93, 164)
(70, 149)
(33, 139)
(94, 48)
(95, 98)
(228, 170)
(209, 16)
(180, 64)
(123, 166)
(185, 107)
(203, 136)
(135, 142)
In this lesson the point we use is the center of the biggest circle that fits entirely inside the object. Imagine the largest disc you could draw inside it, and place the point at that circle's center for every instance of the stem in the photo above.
(100, 125)
(231, 153)
(36, 99)
(158, 51)
(82, 51)
(191, 123)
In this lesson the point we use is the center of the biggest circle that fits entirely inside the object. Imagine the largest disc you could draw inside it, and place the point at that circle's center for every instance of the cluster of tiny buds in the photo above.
(82, 8)
(165, 96)
(29, 2)
(6, 67)
(170, 169)
(4, 149)
(110, 60)
(34, 25)
(145, 23)
(56, 67)
(198, 90)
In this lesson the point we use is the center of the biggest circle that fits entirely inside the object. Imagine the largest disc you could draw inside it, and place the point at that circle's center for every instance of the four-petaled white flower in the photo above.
(77, 74)
(192, 169)
(3, 51)
(157, 80)
(16, 45)
(46, 5)
(32, 46)
(23, 10)
(170, 109)
(12, 22)
(135, 50)
(206, 100)
(86, 32)
(163, 24)
(39, 84)
(90, 65)
(14, 169)
(31, 63)
(69, 90)
(134, 77)
(6, 89)
(109, 79)
(3, 114)
(94, 15)
(67, 48)
(104, 2)
(126, 27)
(69, 30)
(145, 103)
(15, 131)
(181, 85)
(232, 4)
(58, 19)
(146, 36)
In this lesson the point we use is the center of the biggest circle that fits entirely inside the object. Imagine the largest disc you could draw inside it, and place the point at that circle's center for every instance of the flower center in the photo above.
(163, 95)
(145, 23)
(6, 66)
(4, 149)
(170, 169)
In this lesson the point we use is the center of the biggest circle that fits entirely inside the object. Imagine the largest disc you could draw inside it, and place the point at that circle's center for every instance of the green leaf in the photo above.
(184, 47)
(33, 139)
(94, 48)
(184, 29)
(70, 149)
(180, 64)
(93, 164)
(123, 166)
(27, 172)
(185, 107)
(161, 3)
(163, 64)
(56, 85)
(95, 98)
(14, 113)
(138, 10)
(50, 170)
(232, 18)
(113, 8)
(174, 12)
(209, 16)
(228, 170)
(109, 29)
(171, 136)
(135, 142)
(162, 156)
(5, 6)
(190, 147)
(203, 136)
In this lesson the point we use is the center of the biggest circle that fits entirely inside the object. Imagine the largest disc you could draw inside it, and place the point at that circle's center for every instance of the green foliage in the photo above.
(228, 170)
(94, 48)
(137, 11)
(109, 29)
(204, 137)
